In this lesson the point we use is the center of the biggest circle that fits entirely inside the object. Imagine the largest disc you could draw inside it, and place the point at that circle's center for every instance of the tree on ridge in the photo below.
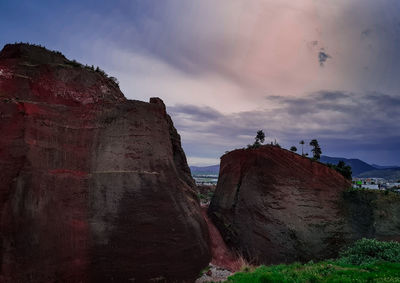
(302, 146)
(316, 150)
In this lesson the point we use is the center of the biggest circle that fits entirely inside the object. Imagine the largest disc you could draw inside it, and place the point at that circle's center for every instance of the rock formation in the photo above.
(373, 214)
(94, 187)
(275, 206)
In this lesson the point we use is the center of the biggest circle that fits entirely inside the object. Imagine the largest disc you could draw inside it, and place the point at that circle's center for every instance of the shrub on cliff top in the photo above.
(259, 139)
(367, 251)
(316, 149)
(342, 168)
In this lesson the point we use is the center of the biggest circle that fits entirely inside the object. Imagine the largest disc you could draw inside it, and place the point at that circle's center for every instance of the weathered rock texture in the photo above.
(276, 206)
(373, 214)
(94, 187)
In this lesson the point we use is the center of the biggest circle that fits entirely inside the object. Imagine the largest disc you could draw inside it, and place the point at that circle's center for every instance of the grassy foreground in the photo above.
(365, 261)
(328, 271)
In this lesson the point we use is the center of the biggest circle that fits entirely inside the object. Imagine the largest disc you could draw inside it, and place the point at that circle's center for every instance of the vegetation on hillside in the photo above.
(369, 251)
(316, 149)
(366, 261)
(327, 271)
(258, 140)
(73, 63)
(205, 193)
(342, 168)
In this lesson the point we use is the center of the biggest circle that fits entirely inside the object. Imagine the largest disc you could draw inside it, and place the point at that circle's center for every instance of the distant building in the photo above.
(375, 184)
(369, 183)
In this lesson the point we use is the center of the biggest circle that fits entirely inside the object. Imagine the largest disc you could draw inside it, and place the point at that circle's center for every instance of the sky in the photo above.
(297, 69)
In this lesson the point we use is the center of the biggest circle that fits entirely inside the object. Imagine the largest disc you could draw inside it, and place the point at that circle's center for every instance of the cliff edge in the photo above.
(94, 187)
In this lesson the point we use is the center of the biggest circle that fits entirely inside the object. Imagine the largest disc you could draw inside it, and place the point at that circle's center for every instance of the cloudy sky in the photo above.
(298, 69)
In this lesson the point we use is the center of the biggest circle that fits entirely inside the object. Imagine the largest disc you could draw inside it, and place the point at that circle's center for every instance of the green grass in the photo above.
(367, 260)
(206, 196)
(327, 271)
(369, 251)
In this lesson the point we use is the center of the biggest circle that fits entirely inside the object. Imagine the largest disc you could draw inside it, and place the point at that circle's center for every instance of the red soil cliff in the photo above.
(94, 187)
(276, 206)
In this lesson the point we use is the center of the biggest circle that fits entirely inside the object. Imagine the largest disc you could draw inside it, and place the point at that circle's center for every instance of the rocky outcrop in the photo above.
(372, 214)
(94, 187)
(275, 206)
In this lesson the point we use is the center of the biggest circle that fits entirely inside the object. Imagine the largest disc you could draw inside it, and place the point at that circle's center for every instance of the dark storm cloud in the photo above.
(383, 100)
(330, 95)
(345, 123)
(323, 57)
(195, 112)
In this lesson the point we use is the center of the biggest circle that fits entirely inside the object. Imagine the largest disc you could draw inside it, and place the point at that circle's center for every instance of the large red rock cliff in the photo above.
(94, 187)
(276, 206)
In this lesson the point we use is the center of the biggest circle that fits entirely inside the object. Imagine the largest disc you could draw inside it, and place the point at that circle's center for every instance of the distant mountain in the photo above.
(357, 166)
(207, 170)
(386, 167)
(388, 174)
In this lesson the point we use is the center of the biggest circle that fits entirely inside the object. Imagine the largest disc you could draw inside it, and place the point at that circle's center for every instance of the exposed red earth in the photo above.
(222, 255)
(94, 187)
(275, 206)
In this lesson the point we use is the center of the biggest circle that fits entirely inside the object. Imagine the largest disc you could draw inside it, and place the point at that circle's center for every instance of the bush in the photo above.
(367, 251)
(342, 168)
(74, 63)
(365, 261)
(327, 271)
(114, 80)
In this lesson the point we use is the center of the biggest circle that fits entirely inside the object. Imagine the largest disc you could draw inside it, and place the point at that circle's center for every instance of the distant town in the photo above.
(375, 184)
(358, 183)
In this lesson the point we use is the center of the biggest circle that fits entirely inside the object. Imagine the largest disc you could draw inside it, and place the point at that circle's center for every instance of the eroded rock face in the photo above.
(94, 187)
(373, 214)
(276, 206)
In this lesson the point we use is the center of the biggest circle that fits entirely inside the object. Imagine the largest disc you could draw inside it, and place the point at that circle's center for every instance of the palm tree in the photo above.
(302, 144)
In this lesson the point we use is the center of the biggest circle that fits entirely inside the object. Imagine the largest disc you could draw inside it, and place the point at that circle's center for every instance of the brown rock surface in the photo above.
(276, 206)
(94, 187)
